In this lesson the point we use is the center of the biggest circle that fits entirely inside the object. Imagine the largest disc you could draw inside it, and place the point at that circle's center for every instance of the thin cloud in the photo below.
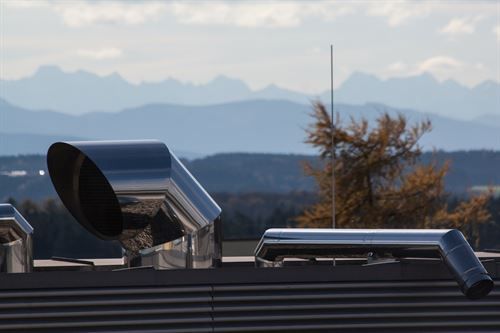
(101, 54)
(459, 26)
(292, 14)
(81, 13)
(272, 14)
(436, 65)
(286, 14)
(241, 15)
(439, 63)
(255, 15)
(399, 12)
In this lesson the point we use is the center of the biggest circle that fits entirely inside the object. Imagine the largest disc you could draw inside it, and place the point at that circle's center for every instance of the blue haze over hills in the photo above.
(269, 126)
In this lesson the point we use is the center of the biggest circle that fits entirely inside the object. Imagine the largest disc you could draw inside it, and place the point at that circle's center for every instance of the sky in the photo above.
(262, 43)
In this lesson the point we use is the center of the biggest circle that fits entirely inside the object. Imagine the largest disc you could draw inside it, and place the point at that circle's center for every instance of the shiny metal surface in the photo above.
(137, 192)
(196, 250)
(16, 241)
(449, 245)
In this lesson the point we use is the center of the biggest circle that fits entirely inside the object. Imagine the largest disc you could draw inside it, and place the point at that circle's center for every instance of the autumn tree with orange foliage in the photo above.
(380, 182)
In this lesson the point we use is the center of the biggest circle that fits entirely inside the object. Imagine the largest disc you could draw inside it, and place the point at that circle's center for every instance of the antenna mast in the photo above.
(333, 136)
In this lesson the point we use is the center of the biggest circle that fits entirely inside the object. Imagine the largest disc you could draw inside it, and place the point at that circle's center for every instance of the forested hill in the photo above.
(255, 192)
(246, 173)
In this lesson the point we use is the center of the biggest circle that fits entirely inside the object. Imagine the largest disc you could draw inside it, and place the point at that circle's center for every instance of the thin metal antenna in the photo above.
(333, 136)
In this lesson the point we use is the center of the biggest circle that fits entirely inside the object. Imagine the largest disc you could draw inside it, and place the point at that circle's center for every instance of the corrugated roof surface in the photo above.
(383, 298)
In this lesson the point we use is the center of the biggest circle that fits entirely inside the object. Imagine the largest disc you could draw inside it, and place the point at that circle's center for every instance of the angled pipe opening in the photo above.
(136, 192)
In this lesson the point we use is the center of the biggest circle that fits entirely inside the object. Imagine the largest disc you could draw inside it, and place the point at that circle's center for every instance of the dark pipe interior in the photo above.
(98, 201)
(84, 190)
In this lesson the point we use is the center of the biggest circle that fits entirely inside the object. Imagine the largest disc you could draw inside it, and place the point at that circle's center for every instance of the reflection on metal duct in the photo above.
(16, 243)
(449, 245)
(139, 193)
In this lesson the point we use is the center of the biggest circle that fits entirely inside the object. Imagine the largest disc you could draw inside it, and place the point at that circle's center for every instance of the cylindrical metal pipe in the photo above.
(136, 192)
(16, 241)
(449, 245)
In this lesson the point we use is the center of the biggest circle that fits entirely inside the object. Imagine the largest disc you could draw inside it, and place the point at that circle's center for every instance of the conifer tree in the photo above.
(380, 182)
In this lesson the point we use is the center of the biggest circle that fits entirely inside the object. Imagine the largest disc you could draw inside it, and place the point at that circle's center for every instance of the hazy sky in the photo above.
(286, 43)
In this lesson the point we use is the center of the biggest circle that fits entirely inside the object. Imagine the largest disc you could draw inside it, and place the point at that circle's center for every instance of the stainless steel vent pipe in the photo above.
(16, 241)
(449, 245)
(139, 193)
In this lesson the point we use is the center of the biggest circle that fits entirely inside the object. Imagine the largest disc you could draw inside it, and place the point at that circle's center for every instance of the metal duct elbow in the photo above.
(16, 242)
(136, 192)
(449, 245)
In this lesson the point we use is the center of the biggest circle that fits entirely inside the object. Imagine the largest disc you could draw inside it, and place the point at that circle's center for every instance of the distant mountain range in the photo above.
(81, 92)
(424, 93)
(265, 126)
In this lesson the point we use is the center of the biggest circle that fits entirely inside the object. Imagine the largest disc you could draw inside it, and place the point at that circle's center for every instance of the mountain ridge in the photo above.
(82, 91)
(256, 126)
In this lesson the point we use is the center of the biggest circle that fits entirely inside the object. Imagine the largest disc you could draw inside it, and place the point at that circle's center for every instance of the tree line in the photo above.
(245, 216)
(252, 173)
